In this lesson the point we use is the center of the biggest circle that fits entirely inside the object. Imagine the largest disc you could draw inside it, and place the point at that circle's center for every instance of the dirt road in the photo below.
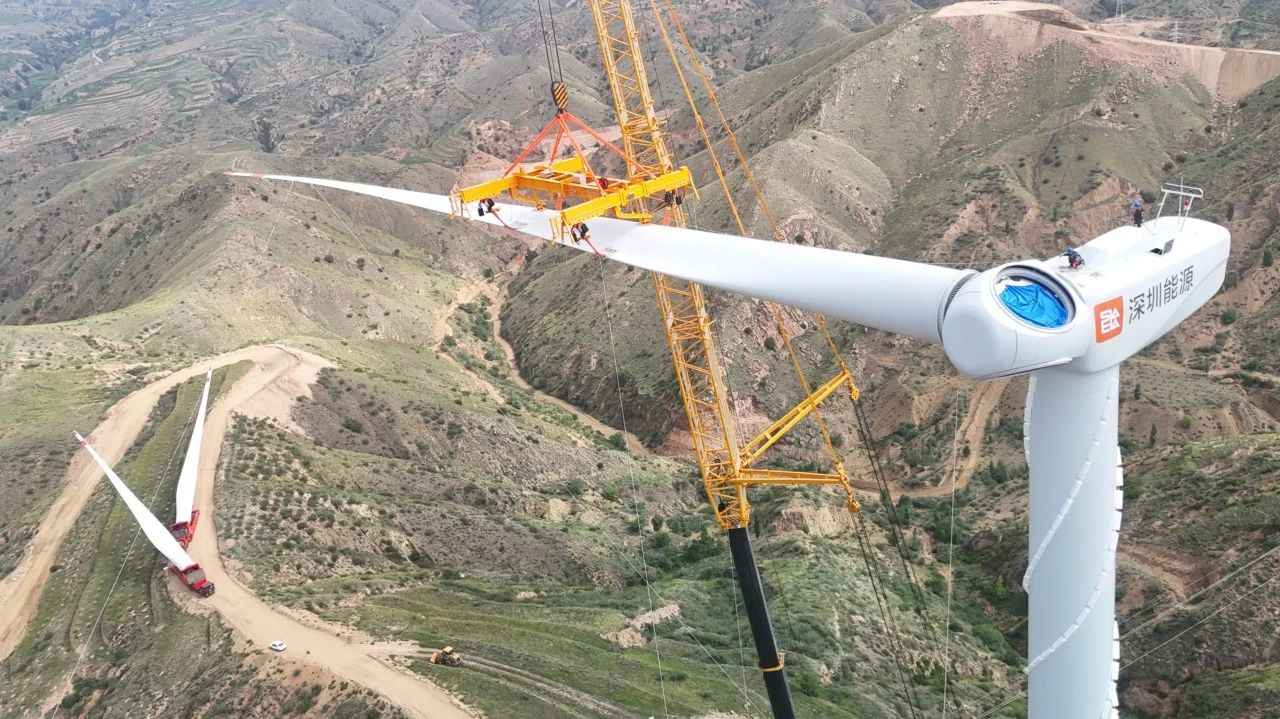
(274, 366)
(972, 432)
(20, 591)
(253, 618)
(1230, 72)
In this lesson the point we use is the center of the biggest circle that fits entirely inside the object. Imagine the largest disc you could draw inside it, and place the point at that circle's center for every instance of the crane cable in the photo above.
(550, 46)
(635, 488)
(1175, 637)
(886, 616)
(742, 227)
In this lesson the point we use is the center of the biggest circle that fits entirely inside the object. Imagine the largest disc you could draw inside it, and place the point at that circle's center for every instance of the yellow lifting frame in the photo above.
(567, 178)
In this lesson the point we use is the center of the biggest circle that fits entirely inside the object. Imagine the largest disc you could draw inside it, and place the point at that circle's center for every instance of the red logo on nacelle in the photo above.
(1108, 319)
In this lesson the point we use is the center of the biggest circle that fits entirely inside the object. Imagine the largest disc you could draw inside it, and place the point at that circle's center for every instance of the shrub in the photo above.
(1228, 316)
(989, 636)
(352, 425)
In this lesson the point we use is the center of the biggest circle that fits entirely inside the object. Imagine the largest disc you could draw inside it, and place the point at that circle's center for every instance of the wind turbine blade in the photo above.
(156, 532)
(186, 495)
(893, 295)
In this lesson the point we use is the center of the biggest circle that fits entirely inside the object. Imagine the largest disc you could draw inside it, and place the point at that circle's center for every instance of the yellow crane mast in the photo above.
(727, 467)
(654, 184)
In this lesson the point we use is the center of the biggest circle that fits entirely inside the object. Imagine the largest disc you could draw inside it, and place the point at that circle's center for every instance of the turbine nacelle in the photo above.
(1135, 285)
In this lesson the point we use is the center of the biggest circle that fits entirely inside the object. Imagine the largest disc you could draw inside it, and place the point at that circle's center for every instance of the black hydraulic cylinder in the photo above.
(775, 676)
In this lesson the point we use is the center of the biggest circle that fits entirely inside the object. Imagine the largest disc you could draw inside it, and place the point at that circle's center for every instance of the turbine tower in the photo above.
(1069, 329)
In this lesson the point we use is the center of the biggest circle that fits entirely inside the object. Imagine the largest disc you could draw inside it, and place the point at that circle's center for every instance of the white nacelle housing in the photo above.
(1136, 284)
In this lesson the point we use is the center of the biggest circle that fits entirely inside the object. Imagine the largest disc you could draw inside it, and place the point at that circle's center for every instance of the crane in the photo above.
(653, 191)
(567, 192)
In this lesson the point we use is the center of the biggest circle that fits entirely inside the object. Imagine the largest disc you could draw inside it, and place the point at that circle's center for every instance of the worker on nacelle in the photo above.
(1074, 260)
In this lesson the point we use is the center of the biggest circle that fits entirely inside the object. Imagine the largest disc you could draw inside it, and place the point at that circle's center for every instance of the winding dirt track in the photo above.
(255, 620)
(20, 591)
(1230, 72)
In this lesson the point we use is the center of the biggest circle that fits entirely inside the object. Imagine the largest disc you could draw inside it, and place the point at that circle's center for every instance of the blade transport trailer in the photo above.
(181, 563)
(184, 525)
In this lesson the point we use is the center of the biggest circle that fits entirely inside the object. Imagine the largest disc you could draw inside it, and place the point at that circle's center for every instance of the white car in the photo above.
(278, 646)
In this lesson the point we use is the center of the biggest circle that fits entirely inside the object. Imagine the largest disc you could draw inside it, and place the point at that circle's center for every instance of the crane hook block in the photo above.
(560, 95)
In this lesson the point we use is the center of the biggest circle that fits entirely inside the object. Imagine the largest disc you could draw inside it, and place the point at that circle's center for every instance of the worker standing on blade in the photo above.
(485, 205)
(1136, 208)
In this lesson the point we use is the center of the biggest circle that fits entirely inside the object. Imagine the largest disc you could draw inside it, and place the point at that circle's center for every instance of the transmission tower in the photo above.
(1175, 35)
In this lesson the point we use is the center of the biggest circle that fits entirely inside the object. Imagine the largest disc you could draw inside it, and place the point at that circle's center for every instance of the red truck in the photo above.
(193, 577)
(184, 532)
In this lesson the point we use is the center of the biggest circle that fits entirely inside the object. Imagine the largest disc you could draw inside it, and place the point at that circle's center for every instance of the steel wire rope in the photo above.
(555, 42)
(951, 571)
(1206, 618)
(635, 487)
(864, 429)
(279, 213)
(1202, 592)
(546, 44)
(689, 632)
(1166, 609)
(886, 615)
(891, 512)
(350, 231)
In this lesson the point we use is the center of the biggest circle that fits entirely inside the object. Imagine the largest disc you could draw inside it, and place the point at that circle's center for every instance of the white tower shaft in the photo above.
(1072, 446)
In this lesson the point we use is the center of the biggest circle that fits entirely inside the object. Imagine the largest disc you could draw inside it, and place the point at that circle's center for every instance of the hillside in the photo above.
(431, 486)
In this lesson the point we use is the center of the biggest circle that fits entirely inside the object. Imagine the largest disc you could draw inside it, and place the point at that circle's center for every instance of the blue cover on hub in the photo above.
(1034, 304)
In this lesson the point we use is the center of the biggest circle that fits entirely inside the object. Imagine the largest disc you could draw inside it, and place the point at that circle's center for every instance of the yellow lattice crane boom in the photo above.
(653, 191)
(727, 467)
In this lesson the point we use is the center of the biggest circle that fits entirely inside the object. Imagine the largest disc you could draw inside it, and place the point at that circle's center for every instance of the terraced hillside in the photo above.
(426, 490)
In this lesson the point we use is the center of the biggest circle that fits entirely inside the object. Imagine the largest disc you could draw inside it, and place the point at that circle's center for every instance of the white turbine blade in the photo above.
(186, 496)
(152, 527)
(893, 295)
